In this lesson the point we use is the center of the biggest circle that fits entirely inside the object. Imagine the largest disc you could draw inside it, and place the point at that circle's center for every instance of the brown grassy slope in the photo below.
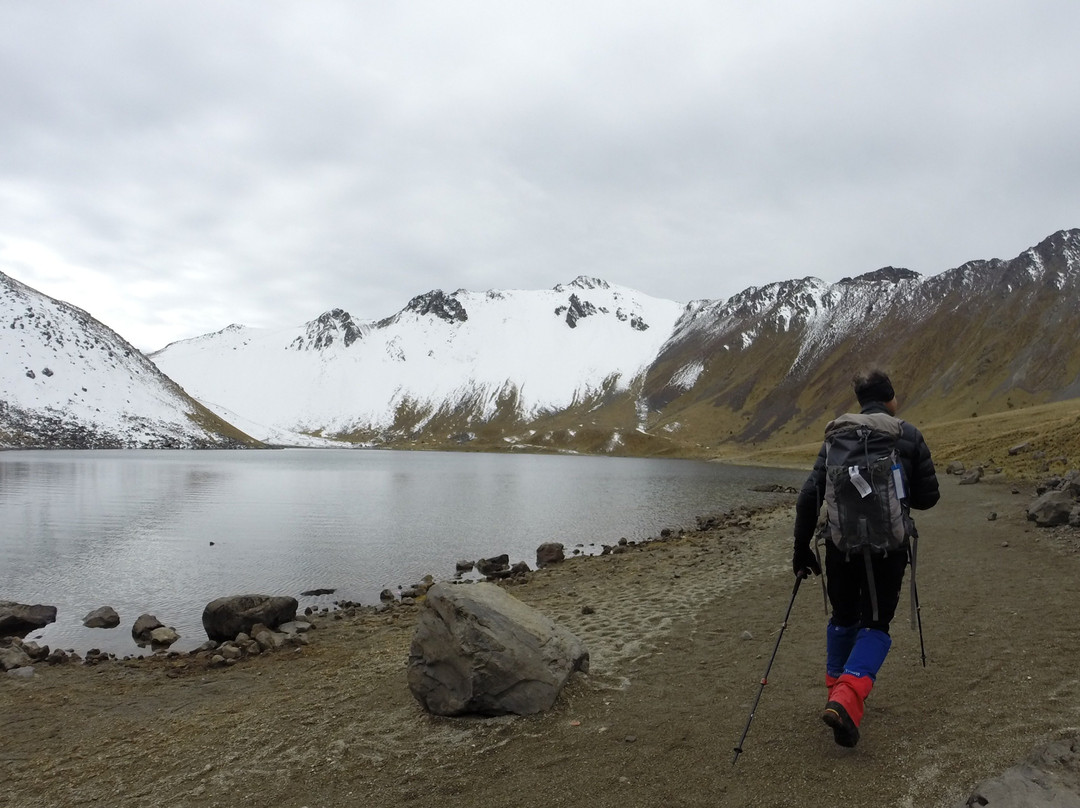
(1051, 430)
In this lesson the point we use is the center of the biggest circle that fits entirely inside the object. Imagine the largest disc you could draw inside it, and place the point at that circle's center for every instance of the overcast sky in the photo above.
(176, 167)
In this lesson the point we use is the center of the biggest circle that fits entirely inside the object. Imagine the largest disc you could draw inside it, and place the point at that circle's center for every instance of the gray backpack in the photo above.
(865, 484)
(866, 493)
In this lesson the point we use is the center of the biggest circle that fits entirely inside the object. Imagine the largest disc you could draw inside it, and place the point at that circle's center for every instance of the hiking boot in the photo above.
(845, 733)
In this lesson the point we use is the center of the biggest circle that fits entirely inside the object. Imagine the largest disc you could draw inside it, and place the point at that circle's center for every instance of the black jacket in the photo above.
(914, 454)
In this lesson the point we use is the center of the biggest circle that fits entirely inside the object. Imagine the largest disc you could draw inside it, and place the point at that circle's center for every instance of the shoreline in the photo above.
(679, 633)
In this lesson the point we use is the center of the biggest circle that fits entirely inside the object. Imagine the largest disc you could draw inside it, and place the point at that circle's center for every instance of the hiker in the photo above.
(864, 578)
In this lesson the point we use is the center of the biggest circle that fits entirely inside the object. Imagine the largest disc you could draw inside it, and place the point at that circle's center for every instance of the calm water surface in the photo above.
(166, 532)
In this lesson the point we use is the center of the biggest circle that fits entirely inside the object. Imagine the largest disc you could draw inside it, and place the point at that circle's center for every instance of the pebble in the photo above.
(746, 635)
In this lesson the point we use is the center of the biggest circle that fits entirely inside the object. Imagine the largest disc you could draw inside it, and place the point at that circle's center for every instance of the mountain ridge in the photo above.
(70, 381)
(592, 366)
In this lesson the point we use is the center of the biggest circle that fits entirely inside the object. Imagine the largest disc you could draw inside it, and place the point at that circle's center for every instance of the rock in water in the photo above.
(143, 627)
(224, 618)
(104, 617)
(479, 650)
(551, 552)
(19, 619)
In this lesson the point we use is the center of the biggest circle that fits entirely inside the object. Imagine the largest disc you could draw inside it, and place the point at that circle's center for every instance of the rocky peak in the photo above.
(325, 329)
(438, 303)
(892, 275)
(583, 282)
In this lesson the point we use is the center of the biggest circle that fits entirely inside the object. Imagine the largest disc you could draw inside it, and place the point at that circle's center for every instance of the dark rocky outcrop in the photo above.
(479, 650)
(227, 617)
(19, 619)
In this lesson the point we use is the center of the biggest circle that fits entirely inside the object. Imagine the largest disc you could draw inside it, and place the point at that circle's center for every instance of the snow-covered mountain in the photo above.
(69, 381)
(445, 363)
(586, 366)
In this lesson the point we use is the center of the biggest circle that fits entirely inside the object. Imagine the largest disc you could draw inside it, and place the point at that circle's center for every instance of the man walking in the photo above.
(863, 587)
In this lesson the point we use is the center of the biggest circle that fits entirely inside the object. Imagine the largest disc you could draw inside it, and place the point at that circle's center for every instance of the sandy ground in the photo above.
(679, 635)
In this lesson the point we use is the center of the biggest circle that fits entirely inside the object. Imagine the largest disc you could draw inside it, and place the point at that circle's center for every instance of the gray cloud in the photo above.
(181, 167)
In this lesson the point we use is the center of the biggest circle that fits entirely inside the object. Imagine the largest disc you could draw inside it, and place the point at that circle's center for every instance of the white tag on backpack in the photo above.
(861, 485)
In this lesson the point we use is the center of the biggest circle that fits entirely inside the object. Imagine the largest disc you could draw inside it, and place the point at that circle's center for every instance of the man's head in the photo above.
(874, 386)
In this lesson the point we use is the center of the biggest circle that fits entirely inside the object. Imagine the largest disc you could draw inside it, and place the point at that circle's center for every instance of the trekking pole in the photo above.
(765, 678)
(915, 597)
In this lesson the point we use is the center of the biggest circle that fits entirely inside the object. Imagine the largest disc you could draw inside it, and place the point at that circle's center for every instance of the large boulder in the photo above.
(19, 619)
(1051, 509)
(1049, 778)
(224, 618)
(480, 650)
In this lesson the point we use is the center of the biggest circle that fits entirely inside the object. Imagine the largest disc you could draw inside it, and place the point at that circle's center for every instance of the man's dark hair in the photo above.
(873, 385)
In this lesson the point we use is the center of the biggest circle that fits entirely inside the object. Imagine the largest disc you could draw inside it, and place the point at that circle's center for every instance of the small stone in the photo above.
(588, 610)
(746, 635)
(992, 516)
(24, 672)
(631, 738)
(1004, 544)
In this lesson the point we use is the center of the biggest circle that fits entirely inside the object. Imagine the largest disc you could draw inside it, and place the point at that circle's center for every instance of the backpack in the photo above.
(865, 484)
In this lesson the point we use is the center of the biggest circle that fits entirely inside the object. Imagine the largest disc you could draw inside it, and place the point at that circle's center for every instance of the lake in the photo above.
(166, 532)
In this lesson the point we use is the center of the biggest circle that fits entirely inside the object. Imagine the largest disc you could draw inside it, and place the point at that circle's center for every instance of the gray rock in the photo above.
(295, 627)
(479, 650)
(143, 626)
(19, 619)
(1052, 508)
(163, 635)
(36, 652)
(1074, 517)
(24, 672)
(104, 617)
(12, 656)
(1049, 778)
(495, 564)
(955, 467)
(551, 552)
(972, 477)
(387, 596)
(224, 618)
(464, 565)
(1020, 447)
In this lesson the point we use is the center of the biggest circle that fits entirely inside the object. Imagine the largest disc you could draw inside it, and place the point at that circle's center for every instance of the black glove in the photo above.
(804, 561)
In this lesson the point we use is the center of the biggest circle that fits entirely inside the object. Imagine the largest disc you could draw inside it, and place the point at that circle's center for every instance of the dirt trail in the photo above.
(654, 723)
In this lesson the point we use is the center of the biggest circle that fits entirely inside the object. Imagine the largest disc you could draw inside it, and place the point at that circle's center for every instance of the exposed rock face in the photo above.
(1049, 778)
(224, 618)
(20, 619)
(479, 650)
(105, 617)
(438, 303)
